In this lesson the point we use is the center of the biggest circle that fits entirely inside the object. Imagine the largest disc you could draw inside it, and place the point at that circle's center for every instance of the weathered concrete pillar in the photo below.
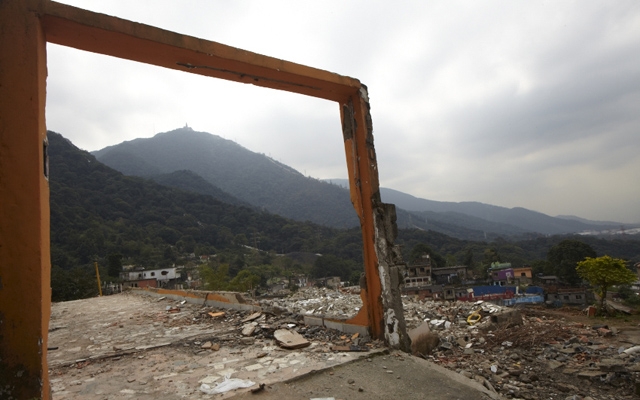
(378, 222)
(25, 293)
(390, 268)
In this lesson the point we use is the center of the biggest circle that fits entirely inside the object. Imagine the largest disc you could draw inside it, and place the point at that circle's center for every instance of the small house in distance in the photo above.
(569, 296)
(449, 275)
(165, 277)
(547, 280)
(419, 273)
(501, 273)
(523, 274)
(504, 274)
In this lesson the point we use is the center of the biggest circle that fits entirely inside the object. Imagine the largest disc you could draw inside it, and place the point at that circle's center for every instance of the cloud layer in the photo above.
(531, 104)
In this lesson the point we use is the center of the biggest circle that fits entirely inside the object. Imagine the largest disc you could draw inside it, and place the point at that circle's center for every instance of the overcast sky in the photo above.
(531, 104)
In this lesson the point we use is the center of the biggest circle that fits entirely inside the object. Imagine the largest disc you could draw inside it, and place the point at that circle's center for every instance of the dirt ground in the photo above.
(628, 326)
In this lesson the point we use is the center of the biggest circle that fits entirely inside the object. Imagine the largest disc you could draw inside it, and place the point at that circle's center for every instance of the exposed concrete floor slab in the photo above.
(130, 346)
(394, 376)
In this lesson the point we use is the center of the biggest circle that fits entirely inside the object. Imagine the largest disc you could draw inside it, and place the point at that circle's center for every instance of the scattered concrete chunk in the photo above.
(249, 329)
(290, 340)
(251, 317)
(591, 374)
(508, 318)
(254, 367)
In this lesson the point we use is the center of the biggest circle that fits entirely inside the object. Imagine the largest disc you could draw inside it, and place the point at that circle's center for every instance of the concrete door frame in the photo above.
(26, 26)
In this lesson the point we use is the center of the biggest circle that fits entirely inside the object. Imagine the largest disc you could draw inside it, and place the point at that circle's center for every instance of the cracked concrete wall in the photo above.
(383, 261)
(390, 267)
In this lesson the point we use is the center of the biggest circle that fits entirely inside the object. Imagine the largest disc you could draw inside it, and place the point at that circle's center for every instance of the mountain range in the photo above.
(250, 177)
(99, 214)
(209, 164)
(489, 218)
(97, 211)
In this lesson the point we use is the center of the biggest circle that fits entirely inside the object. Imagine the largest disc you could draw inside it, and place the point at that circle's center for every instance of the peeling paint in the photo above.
(389, 265)
(364, 93)
(383, 281)
(391, 328)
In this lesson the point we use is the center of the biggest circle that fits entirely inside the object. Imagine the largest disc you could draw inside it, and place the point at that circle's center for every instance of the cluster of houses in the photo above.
(504, 285)
(421, 280)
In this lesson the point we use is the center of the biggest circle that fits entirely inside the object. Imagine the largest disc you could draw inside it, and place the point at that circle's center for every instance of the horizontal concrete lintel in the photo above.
(313, 321)
(200, 300)
(344, 327)
(229, 306)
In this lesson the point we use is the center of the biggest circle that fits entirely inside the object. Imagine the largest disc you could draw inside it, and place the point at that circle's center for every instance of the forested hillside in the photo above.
(97, 212)
(100, 214)
(192, 182)
(251, 177)
(182, 157)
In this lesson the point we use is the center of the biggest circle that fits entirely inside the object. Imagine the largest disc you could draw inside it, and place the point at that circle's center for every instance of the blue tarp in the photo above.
(486, 290)
(523, 299)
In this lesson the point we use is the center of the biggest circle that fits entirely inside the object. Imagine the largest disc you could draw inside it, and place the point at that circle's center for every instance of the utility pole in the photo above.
(98, 276)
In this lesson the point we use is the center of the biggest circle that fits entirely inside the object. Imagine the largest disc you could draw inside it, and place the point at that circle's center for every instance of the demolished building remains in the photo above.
(25, 292)
(159, 342)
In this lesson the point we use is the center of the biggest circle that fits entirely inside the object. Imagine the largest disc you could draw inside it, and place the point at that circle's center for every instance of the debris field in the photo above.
(133, 346)
(519, 353)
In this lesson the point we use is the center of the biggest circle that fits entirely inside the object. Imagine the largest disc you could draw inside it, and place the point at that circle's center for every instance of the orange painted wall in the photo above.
(24, 204)
(25, 26)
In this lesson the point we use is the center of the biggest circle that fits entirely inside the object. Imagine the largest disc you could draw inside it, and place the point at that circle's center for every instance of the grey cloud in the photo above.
(515, 104)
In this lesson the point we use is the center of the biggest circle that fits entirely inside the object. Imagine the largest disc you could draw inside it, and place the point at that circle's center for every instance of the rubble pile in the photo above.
(330, 303)
(244, 328)
(521, 354)
(146, 347)
(517, 353)
(447, 314)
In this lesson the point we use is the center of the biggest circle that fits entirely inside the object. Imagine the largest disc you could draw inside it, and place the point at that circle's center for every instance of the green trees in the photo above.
(489, 256)
(97, 213)
(244, 281)
(72, 284)
(468, 259)
(603, 273)
(216, 277)
(330, 265)
(114, 264)
(565, 256)
(420, 249)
